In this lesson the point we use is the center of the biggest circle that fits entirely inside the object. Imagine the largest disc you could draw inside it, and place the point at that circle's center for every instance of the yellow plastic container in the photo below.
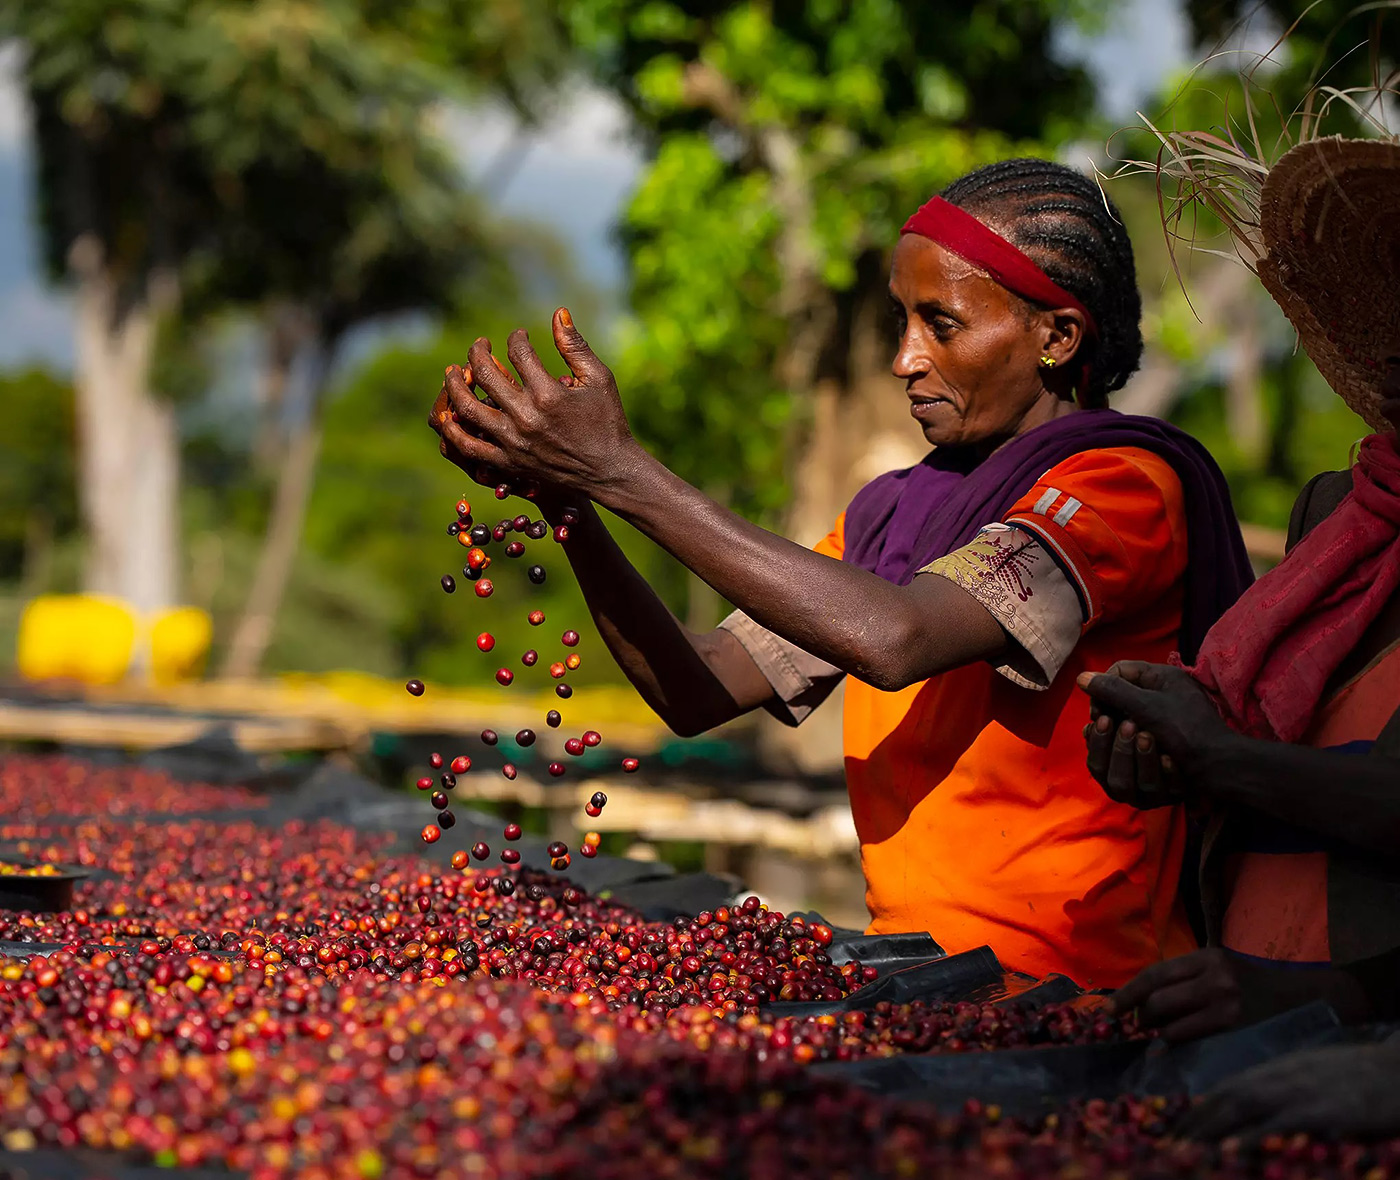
(180, 640)
(80, 637)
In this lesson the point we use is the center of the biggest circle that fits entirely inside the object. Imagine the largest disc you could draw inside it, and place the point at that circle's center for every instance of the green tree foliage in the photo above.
(38, 500)
(789, 141)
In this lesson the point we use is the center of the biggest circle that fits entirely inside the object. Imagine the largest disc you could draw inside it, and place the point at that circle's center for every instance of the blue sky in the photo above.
(574, 178)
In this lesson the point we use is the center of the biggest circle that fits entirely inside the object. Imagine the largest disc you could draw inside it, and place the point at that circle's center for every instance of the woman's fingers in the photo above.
(1121, 780)
(1099, 735)
(527, 363)
(468, 451)
(491, 375)
(1152, 977)
(582, 361)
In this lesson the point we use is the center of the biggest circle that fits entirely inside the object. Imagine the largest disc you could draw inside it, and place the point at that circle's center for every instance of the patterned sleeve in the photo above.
(800, 680)
(1009, 572)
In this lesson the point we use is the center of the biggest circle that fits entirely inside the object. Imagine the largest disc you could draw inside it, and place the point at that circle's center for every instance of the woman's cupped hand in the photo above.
(568, 432)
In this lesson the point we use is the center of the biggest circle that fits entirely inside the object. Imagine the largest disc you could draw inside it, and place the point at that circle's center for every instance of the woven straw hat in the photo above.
(1329, 228)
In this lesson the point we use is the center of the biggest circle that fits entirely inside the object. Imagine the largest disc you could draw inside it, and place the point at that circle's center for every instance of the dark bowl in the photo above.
(39, 895)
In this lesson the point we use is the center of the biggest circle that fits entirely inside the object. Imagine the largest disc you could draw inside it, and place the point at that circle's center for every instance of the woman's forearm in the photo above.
(887, 635)
(1345, 796)
(693, 682)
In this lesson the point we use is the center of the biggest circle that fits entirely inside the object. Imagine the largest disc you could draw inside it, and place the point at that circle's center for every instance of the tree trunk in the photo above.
(128, 443)
(282, 539)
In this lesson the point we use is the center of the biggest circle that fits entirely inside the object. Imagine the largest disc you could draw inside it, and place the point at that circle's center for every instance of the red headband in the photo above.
(958, 231)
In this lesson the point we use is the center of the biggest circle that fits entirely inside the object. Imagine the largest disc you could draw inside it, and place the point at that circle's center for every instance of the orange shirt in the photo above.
(1276, 873)
(977, 818)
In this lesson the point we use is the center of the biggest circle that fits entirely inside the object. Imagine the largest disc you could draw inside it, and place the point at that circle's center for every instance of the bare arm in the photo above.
(577, 437)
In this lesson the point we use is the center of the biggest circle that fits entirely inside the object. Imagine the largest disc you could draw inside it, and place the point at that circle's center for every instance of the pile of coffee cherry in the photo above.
(295, 1000)
(475, 538)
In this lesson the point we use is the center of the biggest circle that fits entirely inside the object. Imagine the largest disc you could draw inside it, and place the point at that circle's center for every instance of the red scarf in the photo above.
(1268, 660)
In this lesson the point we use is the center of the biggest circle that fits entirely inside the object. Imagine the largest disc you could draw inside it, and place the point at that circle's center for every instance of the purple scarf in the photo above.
(901, 521)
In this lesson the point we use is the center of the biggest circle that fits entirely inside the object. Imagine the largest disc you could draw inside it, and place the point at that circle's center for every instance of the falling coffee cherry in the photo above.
(448, 780)
(557, 671)
(592, 738)
(480, 534)
(435, 761)
(556, 848)
(556, 769)
(630, 765)
(530, 658)
(537, 531)
(431, 834)
(446, 819)
(525, 737)
(485, 641)
(449, 583)
(535, 617)
(553, 719)
(489, 737)
(509, 770)
(536, 574)
(563, 691)
(502, 491)
(465, 539)
(569, 639)
(476, 557)
(504, 676)
(463, 509)
(454, 529)
(510, 856)
(484, 588)
(511, 831)
(569, 517)
(588, 850)
(481, 850)
(425, 784)
(520, 523)
(573, 747)
(561, 534)
(572, 661)
(514, 549)
(459, 859)
(415, 688)
(461, 764)
(591, 811)
(560, 863)
(599, 800)
(440, 800)
(499, 532)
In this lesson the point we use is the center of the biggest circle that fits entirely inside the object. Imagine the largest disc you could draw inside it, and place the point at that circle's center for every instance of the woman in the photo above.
(1044, 535)
(1288, 725)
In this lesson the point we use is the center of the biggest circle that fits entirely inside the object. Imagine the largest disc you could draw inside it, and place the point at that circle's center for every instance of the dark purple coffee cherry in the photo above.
(536, 574)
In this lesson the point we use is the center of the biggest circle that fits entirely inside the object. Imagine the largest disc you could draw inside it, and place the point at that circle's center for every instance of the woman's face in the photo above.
(969, 350)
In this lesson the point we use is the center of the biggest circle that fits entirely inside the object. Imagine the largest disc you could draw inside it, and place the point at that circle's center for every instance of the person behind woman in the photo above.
(1288, 725)
(1043, 535)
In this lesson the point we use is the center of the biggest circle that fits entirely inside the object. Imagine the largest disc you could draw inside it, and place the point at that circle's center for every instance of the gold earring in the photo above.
(1047, 362)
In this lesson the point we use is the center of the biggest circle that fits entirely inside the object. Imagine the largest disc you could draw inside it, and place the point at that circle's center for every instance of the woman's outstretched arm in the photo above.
(577, 437)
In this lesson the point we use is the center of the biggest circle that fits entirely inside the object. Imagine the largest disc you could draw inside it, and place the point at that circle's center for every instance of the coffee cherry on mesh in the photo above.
(446, 819)
(509, 770)
(510, 856)
(537, 530)
(431, 834)
(556, 769)
(557, 671)
(484, 588)
(504, 676)
(463, 508)
(591, 811)
(449, 583)
(415, 688)
(514, 549)
(520, 523)
(573, 747)
(572, 660)
(569, 516)
(502, 491)
(461, 764)
(511, 831)
(530, 658)
(505, 886)
(499, 532)
(480, 534)
(435, 761)
(459, 859)
(483, 920)
(573, 896)
(553, 719)
(563, 691)
(535, 617)
(448, 780)
(561, 534)
(476, 557)
(592, 738)
(425, 784)
(489, 736)
(536, 574)
(560, 863)
(485, 641)
(630, 765)
(481, 850)
(525, 737)
(569, 639)
(588, 850)
(440, 800)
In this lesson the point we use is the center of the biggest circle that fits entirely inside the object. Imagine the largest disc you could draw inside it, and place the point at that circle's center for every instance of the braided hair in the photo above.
(1072, 231)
